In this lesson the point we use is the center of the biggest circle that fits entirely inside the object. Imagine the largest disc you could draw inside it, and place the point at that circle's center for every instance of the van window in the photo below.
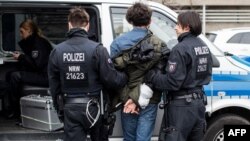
(161, 26)
(236, 38)
(53, 26)
(52, 22)
(245, 38)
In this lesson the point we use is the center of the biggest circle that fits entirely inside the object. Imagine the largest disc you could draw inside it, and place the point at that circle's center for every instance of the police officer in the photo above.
(189, 68)
(33, 63)
(79, 68)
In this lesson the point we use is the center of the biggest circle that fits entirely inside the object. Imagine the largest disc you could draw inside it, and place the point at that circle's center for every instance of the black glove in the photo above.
(148, 78)
(162, 64)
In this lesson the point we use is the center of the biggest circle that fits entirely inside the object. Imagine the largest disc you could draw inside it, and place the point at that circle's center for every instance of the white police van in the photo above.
(228, 92)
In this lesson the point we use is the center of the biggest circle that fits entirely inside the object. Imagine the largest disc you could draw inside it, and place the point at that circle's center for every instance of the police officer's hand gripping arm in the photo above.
(176, 73)
(109, 76)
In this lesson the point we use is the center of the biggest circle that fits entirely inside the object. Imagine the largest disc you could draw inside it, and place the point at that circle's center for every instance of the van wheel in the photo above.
(215, 130)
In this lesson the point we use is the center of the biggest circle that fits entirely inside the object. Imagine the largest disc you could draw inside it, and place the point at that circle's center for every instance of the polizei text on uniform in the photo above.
(73, 57)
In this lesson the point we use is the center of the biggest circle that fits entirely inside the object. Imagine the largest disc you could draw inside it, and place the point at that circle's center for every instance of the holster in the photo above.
(164, 125)
(109, 123)
(163, 133)
(109, 116)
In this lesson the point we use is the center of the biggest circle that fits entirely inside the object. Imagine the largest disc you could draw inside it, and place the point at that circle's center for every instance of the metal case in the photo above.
(37, 112)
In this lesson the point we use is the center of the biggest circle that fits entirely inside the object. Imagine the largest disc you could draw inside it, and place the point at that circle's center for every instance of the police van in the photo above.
(228, 92)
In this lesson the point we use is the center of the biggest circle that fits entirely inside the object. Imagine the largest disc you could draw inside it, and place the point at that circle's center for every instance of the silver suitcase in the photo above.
(37, 112)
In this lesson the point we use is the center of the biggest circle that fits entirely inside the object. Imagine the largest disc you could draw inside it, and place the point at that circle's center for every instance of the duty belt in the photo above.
(77, 100)
(193, 96)
(181, 92)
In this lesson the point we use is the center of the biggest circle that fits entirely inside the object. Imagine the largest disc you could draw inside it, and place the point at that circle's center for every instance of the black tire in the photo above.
(215, 130)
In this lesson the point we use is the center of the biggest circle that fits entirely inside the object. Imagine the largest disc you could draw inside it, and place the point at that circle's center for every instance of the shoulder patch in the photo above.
(110, 61)
(34, 54)
(172, 67)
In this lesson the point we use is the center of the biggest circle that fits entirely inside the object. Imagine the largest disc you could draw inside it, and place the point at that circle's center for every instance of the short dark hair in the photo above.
(139, 14)
(192, 20)
(78, 17)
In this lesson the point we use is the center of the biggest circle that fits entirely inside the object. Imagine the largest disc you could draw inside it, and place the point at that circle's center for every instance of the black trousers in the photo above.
(76, 124)
(184, 121)
(17, 79)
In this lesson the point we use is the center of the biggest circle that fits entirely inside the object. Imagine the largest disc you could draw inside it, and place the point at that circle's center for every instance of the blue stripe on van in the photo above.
(230, 88)
(231, 77)
(242, 61)
(231, 84)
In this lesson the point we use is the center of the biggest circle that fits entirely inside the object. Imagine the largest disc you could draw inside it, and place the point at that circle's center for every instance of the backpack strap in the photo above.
(149, 34)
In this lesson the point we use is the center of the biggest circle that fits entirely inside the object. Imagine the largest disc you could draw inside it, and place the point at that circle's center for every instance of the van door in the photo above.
(51, 18)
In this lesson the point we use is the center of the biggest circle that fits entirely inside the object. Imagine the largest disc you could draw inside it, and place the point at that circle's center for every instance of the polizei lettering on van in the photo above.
(73, 57)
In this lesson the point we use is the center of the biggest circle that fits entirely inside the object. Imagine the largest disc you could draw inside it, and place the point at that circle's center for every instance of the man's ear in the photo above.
(70, 25)
(186, 28)
(87, 27)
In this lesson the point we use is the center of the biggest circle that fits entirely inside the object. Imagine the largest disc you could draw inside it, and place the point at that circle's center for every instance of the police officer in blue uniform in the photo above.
(189, 68)
(79, 69)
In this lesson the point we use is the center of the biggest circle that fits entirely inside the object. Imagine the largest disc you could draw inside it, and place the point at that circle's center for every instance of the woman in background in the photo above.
(33, 63)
